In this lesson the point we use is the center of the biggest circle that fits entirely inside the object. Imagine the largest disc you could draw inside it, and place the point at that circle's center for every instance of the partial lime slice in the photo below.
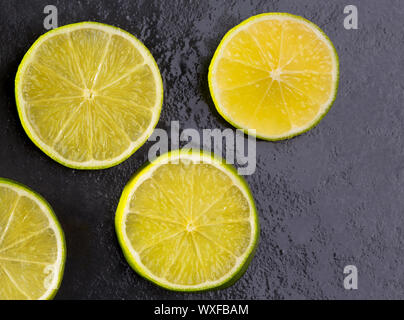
(32, 245)
(275, 73)
(188, 222)
(89, 95)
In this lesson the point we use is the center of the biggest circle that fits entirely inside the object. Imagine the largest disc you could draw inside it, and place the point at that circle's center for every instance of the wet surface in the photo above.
(331, 197)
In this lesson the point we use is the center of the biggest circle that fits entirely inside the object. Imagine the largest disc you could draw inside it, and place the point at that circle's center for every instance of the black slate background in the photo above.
(331, 197)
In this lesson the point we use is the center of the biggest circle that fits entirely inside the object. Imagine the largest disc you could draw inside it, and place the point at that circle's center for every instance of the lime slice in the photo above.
(188, 222)
(32, 245)
(275, 73)
(88, 95)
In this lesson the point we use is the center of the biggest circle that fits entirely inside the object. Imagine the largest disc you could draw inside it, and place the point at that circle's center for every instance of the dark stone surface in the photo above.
(328, 198)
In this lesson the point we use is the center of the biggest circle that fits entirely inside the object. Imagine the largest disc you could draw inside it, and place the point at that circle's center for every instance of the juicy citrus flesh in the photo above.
(187, 223)
(89, 94)
(275, 73)
(31, 246)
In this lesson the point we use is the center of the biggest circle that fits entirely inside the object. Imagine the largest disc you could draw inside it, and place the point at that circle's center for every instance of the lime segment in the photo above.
(275, 73)
(32, 245)
(187, 222)
(88, 94)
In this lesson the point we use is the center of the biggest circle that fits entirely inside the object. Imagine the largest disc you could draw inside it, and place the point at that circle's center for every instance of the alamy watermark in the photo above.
(351, 280)
(234, 146)
(51, 19)
(351, 19)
